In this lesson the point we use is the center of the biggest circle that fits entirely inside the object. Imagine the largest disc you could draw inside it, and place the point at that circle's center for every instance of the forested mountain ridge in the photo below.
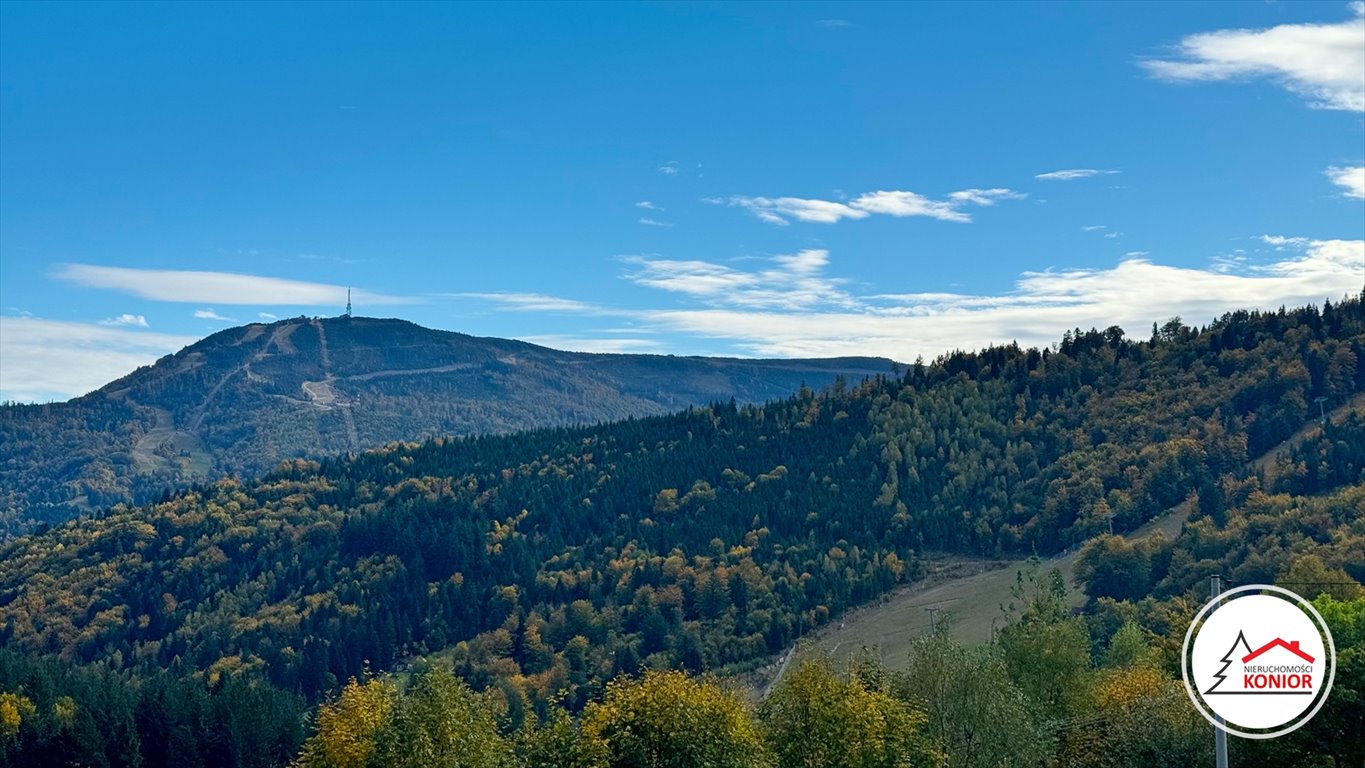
(542, 564)
(246, 398)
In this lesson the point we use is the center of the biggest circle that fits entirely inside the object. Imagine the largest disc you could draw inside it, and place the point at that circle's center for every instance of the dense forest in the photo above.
(542, 566)
(243, 399)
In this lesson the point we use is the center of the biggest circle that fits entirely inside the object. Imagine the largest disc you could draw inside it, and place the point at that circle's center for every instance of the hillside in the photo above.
(244, 399)
(970, 592)
(542, 564)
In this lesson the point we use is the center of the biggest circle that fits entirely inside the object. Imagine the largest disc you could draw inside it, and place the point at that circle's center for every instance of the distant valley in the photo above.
(244, 399)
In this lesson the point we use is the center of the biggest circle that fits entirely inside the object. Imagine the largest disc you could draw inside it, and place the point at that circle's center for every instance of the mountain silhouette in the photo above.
(244, 399)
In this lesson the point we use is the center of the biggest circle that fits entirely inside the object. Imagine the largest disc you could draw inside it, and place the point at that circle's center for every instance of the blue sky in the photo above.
(756, 179)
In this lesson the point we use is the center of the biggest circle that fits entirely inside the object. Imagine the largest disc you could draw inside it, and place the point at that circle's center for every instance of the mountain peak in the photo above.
(245, 398)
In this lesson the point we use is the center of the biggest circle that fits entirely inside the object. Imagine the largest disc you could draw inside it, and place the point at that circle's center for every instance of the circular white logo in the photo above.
(1258, 661)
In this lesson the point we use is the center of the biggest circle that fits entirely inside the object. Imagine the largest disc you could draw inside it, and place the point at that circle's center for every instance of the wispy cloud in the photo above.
(1280, 242)
(648, 206)
(778, 210)
(329, 257)
(195, 287)
(41, 356)
(126, 319)
(1320, 62)
(984, 196)
(209, 314)
(267, 316)
(1350, 179)
(793, 307)
(669, 168)
(1132, 294)
(529, 302)
(612, 345)
(1071, 174)
(1094, 227)
(655, 223)
(834, 23)
(789, 282)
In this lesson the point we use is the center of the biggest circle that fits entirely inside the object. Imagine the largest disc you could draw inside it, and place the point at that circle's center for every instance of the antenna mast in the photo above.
(348, 302)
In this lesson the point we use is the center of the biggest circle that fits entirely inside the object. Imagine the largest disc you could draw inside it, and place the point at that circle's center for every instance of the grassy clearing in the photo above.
(972, 593)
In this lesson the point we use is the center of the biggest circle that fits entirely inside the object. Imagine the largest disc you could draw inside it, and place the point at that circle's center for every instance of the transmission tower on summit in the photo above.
(348, 302)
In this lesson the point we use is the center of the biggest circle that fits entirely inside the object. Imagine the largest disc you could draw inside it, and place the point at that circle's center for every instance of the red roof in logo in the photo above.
(1277, 642)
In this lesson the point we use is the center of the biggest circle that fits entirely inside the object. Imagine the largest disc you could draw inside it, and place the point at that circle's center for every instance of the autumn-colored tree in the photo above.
(441, 723)
(14, 708)
(559, 743)
(348, 728)
(816, 719)
(1310, 577)
(671, 720)
(438, 723)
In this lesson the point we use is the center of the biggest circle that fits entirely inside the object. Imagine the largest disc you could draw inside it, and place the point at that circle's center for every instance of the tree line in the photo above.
(540, 567)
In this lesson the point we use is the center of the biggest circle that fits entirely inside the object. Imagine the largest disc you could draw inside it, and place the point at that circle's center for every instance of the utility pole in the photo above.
(1220, 736)
(933, 619)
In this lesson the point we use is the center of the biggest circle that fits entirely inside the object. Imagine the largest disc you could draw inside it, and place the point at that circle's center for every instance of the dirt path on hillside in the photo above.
(970, 592)
(323, 390)
(144, 452)
(1266, 461)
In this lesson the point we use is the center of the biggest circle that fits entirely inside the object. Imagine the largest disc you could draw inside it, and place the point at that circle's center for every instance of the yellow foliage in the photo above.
(13, 709)
(817, 718)
(668, 719)
(1125, 687)
(64, 710)
(347, 727)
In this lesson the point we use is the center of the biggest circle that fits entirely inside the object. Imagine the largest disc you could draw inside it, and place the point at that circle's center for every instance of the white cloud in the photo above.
(1324, 63)
(776, 210)
(985, 196)
(1226, 263)
(126, 319)
(669, 168)
(647, 205)
(899, 203)
(193, 287)
(1043, 305)
(1351, 179)
(1095, 227)
(209, 314)
(791, 282)
(1112, 235)
(530, 302)
(792, 307)
(655, 223)
(903, 204)
(267, 316)
(47, 360)
(592, 344)
(1071, 174)
(834, 23)
(1281, 242)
